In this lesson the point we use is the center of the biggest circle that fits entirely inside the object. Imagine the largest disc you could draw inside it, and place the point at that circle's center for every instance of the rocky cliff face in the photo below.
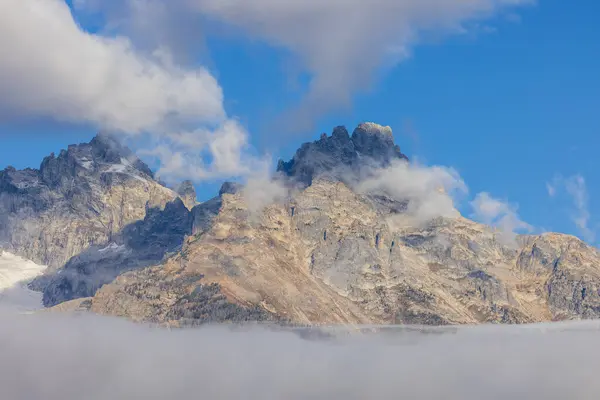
(326, 254)
(330, 255)
(334, 259)
(80, 198)
(140, 244)
(187, 194)
(340, 154)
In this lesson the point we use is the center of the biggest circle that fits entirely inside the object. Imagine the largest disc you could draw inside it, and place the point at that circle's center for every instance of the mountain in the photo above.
(325, 253)
(187, 193)
(339, 155)
(81, 197)
(143, 243)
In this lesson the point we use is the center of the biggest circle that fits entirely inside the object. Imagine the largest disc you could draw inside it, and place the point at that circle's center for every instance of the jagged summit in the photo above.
(103, 159)
(187, 193)
(376, 129)
(103, 154)
(370, 145)
(230, 188)
(327, 254)
(82, 196)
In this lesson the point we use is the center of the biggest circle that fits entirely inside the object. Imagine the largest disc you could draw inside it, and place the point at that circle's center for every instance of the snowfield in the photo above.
(15, 273)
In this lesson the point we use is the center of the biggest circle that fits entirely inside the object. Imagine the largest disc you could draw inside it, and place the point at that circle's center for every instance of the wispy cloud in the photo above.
(575, 187)
(341, 44)
(551, 188)
(205, 154)
(429, 190)
(499, 214)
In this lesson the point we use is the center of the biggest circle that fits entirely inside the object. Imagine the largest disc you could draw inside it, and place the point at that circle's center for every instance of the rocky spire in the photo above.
(370, 145)
(187, 193)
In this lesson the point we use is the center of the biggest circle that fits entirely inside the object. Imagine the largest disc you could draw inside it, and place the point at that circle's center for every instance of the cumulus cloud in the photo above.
(499, 214)
(428, 190)
(150, 24)
(576, 188)
(341, 44)
(51, 67)
(205, 154)
(65, 357)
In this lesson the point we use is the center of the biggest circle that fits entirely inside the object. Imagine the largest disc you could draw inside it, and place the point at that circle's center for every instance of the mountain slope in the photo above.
(329, 254)
(79, 198)
(140, 244)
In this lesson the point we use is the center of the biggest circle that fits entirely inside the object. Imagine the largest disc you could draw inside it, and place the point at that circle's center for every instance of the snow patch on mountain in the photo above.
(126, 168)
(15, 274)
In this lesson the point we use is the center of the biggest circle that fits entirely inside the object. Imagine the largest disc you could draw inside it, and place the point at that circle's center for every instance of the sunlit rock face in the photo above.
(329, 251)
(143, 243)
(80, 198)
(329, 254)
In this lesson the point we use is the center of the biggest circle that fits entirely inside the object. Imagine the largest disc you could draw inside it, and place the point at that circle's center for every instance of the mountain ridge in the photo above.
(84, 195)
(339, 154)
(324, 253)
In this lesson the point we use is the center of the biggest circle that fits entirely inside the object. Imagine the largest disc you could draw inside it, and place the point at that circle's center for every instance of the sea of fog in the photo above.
(56, 356)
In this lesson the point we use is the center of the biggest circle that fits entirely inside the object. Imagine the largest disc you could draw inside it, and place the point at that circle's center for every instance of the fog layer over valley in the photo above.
(61, 356)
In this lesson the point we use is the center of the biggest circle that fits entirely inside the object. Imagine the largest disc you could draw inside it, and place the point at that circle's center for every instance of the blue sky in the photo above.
(510, 103)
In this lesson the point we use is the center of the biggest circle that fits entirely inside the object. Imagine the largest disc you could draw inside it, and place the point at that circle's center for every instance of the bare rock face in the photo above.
(331, 255)
(339, 154)
(327, 254)
(140, 244)
(187, 193)
(334, 259)
(80, 198)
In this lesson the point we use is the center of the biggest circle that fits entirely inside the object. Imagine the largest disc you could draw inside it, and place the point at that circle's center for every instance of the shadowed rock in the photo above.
(371, 145)
(78, 199)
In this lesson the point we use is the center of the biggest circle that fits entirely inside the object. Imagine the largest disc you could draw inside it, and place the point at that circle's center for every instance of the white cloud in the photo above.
(499, 214)
(262, 191)
(342, 43)
(576, 188)
(51, 67)
(150, 24)
(428, 189)
(205, 154)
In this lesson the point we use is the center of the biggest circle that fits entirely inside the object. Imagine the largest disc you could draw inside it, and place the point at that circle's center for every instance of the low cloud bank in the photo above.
(59, 356)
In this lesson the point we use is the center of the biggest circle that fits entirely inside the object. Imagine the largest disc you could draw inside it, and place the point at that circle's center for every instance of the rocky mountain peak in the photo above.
(230, 188)
(103, 154)
(336, 155)
(80, 197)
(376, 141)
(187, 193)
